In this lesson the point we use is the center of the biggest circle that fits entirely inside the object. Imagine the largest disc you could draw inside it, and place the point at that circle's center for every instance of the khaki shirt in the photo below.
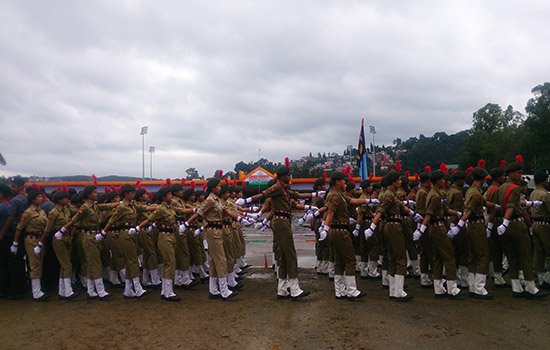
(474, 200)
(337, 202)
(281, 198)
(58, 217)
(455, 198)
(390, 205)
(212, 209)
(33, 220)
(434, 205)
(88, 216)
(421, 200)
(513, 199)
(164, 215)
(126, 214)
(540, 194)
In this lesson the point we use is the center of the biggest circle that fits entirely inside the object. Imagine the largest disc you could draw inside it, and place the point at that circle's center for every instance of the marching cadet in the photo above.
(516, 234)
(407, 224)
(230, 244)
(369, 257)
(496, 243)
(165, 218)
(184, 278)
(146, 241)
(196, 247)
(282, 206)
(59, 216)
(426, 245)
(87, 220)
(541, 228)
(434, 225)
(31, 225)
(461, 244)
(477, 236)
(212, 211)
(124, 221)
(337, 225)
(321, 247)
(390, 209)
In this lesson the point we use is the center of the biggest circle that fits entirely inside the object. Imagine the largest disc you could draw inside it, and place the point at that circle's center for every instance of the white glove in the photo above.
(254, 208)
(370, 231)
(323, 231)
(371, 202)
(255, 216)
(242, 201)
(534, 204)
(267, 224)
(133, 231)
(302, 220)
(461, 224)
(100, 236)
(497, 206)
(14, 248)
(409, 203)
(38, 248)
(198, 231)
(150, 229)
(183, 227)
(453, 232)
(310, 207)
(459, 214)
(309, 217)
(318, 194)
(419, 232)
(503, 227)
(489, 229)
(352, 221)
(356, 231)
(59, 234)
(418, 218)
(261, 225)
(243, 221)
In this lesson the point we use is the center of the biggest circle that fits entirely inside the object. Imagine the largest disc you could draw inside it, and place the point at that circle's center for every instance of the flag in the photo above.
(362, 153)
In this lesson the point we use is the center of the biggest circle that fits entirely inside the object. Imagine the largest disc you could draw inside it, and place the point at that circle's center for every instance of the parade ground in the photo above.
(257, 320)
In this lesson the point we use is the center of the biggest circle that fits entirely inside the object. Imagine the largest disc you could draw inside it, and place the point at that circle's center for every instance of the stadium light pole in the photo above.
(143, 132)
(151, 151)
(373, 131)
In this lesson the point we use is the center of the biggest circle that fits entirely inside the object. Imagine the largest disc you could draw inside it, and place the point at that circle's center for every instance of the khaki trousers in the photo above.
(443, 253)
(287, 261)
(520, 253)
(145, 241)
(541, 242)
(216, 254)
(128, 243)
(63, 248)
(92, 250)
(182, 252)
(35, 261)
(344, 254)
(397, 251)
(480, 252)
(167, 247)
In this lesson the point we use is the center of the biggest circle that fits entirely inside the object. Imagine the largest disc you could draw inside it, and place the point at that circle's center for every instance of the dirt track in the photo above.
(258, 321)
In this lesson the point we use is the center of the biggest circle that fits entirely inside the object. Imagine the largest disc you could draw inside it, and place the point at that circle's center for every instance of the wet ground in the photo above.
(257, 320)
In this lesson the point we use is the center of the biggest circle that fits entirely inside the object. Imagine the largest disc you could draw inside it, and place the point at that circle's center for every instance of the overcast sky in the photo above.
(216, 81)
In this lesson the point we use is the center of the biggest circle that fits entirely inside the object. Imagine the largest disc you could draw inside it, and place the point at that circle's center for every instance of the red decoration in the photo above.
(519, 159)
(287, 162)
(407, 173)
(192, 185)
(481, 163)
(107, 189)
(94, 179)
(416, 176)
(204, 187)
(234, 183)
(428, 169)
(502, 164)
(220, 173)
(183, 181)
(325, 175)
(226, 180)
(371, 175)
(469, 170)
(398, 166)
(350, 178)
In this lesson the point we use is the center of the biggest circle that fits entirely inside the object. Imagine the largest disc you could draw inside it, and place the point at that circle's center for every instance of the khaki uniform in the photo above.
(32, 224)
(212, 210)
(339, 235)
(437, 232)
(518, 242)
(165, 218)
(477, 235)
(125, 216)
(541, 227)
(183, 258)
(461, 243)
(88, 220)
(391, 208)
(426, 245)
(368, 248)
(282, 205)
(57, 218)
(407, 224)
(147, 242)
(496, 243)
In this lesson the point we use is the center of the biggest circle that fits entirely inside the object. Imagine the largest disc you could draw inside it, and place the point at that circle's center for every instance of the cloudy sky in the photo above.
(216, 81)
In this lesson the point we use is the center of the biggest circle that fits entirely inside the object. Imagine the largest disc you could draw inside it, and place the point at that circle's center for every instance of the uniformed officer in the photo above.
(184, 278)
(541, 228)
(461, 243)
(434, 224)
(59, 216)
(282, 204)
(516, 234)
(477, 236)
(426, 245)
(146, 241)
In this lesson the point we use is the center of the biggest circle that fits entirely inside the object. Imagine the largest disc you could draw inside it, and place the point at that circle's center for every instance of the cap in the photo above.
(392, 177)
(127, 188)
(31, 196)
(176, 188)
(59, 195)
(19, 180)
(496, 173)
(139, 192)
(424, 176)
(459, 175)
(111, 196)
(88, 191)
(282, 171)
(436, 175)
(540, 176)
(479, 173)
(5, 190)
(163, 192)
(188, 193)
(513, 167)
(365, 183)
(212, 182)
(337, 175)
